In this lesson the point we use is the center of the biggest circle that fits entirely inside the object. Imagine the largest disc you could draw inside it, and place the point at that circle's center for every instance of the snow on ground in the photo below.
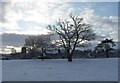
(60, 70)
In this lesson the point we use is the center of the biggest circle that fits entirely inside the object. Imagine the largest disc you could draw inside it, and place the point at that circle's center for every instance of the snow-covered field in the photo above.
(60, 70)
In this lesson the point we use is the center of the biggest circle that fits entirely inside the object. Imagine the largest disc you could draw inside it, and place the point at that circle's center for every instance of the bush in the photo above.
(44, 57)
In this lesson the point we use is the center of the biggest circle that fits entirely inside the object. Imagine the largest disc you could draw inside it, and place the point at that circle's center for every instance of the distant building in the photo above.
(23, 50)
(13, 50)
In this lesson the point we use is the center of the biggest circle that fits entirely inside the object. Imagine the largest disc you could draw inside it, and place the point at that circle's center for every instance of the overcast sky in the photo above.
(31, 17)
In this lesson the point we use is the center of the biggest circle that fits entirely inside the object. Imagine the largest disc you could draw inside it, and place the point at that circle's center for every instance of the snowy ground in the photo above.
(60, 70)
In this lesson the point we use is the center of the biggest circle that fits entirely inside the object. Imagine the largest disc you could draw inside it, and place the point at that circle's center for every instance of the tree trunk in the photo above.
(70, 58)
(69, 55)
(107, 54)
(42, 51)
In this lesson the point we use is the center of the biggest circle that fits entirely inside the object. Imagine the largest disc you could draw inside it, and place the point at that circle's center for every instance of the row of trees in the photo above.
(71, 33)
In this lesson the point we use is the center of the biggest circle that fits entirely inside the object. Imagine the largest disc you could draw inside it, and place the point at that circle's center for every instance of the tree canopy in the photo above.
(72, 32)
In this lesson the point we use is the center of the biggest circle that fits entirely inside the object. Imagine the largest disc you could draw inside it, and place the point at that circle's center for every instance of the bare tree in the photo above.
(35, 42)
(71, 33)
